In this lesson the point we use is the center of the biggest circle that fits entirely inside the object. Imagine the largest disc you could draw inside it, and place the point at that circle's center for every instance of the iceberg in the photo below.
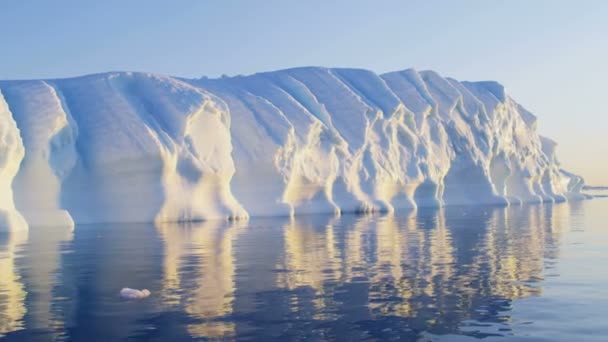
(140, 147)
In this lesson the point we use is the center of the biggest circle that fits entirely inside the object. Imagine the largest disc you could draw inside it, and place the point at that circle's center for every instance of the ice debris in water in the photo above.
(128, 293)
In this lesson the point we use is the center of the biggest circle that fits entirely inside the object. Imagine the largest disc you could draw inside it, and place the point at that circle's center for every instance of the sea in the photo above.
(521, 273)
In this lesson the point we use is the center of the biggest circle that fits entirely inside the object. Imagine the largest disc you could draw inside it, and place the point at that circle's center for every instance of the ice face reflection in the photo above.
(12, 291)
(206, 290)
(419, 274)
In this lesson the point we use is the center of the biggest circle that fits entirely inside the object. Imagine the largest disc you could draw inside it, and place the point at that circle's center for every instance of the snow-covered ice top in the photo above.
(137, 147)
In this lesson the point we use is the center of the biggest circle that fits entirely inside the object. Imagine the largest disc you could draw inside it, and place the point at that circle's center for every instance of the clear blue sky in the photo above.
(550, 54)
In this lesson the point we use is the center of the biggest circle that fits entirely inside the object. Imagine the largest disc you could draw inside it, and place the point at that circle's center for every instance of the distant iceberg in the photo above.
(138, 147)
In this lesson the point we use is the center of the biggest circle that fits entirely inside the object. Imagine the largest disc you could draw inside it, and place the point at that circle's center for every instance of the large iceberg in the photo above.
(139, 147)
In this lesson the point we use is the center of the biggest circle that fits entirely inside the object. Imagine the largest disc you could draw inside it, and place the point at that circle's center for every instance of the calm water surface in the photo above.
(536, 273)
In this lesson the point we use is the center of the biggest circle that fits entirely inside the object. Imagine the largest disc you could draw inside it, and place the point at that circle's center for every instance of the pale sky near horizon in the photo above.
(549, 54)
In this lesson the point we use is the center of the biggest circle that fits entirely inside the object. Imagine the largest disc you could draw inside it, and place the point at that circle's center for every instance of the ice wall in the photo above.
(133, 147)
(11, 154)
(48, 136)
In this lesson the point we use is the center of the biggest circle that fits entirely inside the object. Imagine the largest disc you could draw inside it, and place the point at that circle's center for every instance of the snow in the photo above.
(138, 147)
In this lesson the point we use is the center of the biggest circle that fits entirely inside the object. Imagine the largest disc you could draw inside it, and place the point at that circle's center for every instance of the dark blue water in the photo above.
(534, 273)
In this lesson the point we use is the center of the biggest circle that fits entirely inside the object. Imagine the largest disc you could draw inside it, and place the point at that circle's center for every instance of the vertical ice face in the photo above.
(117, 176)
(280, 134)
(134, 147)
(434, 153)
(191, 129)
(11, 154)
(48, 135)
(151, 149)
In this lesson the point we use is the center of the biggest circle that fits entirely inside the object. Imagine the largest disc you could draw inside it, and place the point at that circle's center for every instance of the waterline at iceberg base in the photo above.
(139, 147)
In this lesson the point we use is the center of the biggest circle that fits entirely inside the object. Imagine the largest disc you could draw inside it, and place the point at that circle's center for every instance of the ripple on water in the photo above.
(521, 272)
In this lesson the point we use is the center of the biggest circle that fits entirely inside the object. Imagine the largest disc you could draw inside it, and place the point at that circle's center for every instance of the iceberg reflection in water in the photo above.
(453, 273)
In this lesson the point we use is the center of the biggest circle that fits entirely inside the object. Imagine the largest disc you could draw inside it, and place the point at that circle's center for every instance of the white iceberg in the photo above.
(138, 147)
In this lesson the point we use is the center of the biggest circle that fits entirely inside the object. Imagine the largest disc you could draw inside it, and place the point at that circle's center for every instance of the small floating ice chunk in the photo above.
(128, 293)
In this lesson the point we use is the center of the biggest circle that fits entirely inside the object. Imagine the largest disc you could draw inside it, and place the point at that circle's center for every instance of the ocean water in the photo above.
(529, 273)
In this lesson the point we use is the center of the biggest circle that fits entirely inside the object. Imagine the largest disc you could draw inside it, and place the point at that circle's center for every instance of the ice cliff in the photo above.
(138, 147)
